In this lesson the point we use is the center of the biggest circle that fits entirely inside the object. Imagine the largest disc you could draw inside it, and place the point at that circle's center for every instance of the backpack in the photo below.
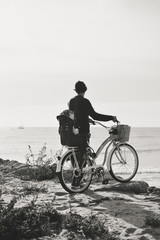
(65, 129)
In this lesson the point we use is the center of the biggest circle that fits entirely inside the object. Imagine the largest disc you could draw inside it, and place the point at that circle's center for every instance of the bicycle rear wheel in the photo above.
(123, 162)
(70, 173)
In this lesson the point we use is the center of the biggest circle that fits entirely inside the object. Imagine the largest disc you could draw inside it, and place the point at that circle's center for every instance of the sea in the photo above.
(14, 144)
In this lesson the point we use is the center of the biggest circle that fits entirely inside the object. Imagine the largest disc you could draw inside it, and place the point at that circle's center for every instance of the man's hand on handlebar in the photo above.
(115, 119)
(92, 121)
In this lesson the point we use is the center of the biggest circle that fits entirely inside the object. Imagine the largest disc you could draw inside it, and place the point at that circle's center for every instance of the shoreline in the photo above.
(152, 178)
(125, 207)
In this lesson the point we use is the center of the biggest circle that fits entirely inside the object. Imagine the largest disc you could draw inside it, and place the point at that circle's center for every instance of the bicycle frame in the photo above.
(114, 159)
(70, 150)
(99, 150)
(73, 150)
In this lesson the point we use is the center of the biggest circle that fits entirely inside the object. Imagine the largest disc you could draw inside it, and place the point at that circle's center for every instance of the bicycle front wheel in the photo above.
(123, 162)
(70, 173)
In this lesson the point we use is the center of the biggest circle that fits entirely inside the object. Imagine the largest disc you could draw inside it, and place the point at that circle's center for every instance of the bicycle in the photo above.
(120, 158)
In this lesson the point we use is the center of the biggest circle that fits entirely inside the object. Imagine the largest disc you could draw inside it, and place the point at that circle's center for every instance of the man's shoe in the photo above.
(76, 183)
(75, 187)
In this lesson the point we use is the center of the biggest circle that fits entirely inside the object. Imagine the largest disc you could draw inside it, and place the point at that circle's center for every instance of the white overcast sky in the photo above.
(48, 45)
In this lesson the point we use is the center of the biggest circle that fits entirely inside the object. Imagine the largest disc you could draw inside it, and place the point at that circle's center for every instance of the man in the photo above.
(83, 109)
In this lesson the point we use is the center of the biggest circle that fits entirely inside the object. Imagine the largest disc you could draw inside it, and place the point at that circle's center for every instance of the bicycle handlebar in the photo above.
(96, 122)
(101, 124)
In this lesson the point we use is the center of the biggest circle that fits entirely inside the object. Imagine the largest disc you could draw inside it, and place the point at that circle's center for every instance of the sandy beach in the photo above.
(125, 208)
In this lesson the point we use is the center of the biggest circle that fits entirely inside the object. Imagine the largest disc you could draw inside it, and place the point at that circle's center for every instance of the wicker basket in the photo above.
(120, 133)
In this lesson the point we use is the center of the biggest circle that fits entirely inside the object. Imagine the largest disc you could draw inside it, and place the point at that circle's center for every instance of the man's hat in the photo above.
(80, 87)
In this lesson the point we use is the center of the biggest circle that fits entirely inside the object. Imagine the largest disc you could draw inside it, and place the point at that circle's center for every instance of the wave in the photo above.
(148, 150)
(142, 137)
(142, 171)
(142, 150)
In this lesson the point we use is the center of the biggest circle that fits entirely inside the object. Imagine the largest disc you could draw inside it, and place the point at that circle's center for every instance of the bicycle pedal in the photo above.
(93, 155)
(100, 169)
(105, 181)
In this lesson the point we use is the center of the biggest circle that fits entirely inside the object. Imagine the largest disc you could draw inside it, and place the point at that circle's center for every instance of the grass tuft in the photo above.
(153, 221)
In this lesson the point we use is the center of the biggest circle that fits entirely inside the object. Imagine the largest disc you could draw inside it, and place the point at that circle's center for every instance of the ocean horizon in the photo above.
(14, 143)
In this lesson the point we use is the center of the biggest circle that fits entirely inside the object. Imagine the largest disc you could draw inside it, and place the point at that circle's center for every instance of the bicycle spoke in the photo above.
(123, 162)
(70, 175)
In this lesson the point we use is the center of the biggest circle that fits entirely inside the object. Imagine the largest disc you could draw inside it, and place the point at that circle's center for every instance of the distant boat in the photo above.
(21, 127)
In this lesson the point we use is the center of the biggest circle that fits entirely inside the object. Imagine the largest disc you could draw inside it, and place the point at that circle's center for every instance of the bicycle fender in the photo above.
(58, 168)
(108, 164)
(59, 163)
(109, 155)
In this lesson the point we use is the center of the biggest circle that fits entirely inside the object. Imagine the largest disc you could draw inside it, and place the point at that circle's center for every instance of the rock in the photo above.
(129, 187)
(154, 190)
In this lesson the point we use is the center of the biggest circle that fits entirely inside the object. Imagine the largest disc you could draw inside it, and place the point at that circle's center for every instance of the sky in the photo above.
(46, 46)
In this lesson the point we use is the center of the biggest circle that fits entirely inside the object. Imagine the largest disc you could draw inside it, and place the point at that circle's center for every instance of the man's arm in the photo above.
(98, 116)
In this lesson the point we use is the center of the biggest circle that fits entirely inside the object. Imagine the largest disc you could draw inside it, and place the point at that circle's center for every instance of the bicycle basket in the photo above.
(120, 133)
